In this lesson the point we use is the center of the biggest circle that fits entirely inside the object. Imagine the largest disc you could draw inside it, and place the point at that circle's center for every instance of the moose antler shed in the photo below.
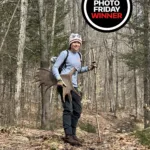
(46, 78)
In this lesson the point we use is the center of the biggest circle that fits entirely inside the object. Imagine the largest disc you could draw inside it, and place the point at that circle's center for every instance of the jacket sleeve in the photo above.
(58, 63)
(84, 69)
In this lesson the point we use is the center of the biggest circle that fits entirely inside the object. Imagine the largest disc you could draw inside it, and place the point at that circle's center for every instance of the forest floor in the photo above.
(116, 134)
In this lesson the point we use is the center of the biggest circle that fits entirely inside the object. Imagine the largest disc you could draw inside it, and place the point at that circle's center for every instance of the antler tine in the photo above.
(64, 94)
(37, 80)
(70, 97)
(73, 89)
(36, 77)
(40, 84)
(72, 71)
(47, 88)
(46, 69)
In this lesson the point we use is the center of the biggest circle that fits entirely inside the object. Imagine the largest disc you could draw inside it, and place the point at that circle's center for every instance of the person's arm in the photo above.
(88, 68)
(58, 63)
(83, 69)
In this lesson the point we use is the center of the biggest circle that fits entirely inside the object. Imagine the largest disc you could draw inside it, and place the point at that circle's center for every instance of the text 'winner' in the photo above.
(106, 9)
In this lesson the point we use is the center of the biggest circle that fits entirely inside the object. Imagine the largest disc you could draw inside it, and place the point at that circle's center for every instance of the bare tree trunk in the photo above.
(134, 71)
(111, 91)
(105, 99)
(53, 27)
(9, 26)
(51, 49)
(123, 95)
(74, 18)
(110, 59)
(44, 64)
(147, 64)
(116, 102)
(95, 83)
(2, 89)
(135, 92)
(89, 79)
(21, 45)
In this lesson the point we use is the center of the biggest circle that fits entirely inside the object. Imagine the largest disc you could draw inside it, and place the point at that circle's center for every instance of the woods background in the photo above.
(32, 31)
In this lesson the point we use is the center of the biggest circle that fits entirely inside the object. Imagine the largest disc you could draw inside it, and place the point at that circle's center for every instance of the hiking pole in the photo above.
(99, 135)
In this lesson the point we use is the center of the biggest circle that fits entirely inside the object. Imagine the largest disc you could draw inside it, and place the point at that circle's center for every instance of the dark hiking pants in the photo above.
(71, 113)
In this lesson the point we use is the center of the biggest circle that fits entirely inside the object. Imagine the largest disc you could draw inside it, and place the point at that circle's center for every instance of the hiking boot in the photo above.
(77, 139)
(69, 139)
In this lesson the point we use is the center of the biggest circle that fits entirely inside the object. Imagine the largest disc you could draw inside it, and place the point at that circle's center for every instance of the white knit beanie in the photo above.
(75, 37)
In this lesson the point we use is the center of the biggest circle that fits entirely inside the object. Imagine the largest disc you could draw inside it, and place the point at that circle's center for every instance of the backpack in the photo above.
(53, 60)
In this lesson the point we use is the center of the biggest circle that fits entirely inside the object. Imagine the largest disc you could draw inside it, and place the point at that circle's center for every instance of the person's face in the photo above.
(75, 46)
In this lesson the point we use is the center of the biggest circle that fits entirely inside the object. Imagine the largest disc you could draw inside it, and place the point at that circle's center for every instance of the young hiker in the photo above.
(72, 109)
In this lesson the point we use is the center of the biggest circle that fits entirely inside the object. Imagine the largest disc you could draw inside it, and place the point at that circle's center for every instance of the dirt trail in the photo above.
(115, 135)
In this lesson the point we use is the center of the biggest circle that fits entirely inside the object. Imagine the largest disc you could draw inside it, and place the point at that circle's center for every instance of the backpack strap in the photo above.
(80, 56)
(64, 63)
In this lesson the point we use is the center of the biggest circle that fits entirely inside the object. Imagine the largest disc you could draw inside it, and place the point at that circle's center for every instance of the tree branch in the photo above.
(8, 26)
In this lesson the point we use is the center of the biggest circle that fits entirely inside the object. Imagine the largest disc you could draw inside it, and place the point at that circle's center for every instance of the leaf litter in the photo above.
(115, 135)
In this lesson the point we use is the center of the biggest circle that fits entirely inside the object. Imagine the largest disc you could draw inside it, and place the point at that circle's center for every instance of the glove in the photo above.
(61, 83)
(92, 66)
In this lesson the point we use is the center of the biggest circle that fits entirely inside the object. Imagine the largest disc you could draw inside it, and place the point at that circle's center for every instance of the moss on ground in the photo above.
(87, 127)
(144, 136)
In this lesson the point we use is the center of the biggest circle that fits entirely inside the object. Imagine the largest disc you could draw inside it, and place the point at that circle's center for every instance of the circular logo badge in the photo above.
(107, 15)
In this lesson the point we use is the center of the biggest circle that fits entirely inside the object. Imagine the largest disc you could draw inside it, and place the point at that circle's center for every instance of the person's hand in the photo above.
(61, 83)
(92, 66)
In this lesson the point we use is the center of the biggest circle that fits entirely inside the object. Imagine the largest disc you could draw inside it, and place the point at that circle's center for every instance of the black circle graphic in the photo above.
(107, 15)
